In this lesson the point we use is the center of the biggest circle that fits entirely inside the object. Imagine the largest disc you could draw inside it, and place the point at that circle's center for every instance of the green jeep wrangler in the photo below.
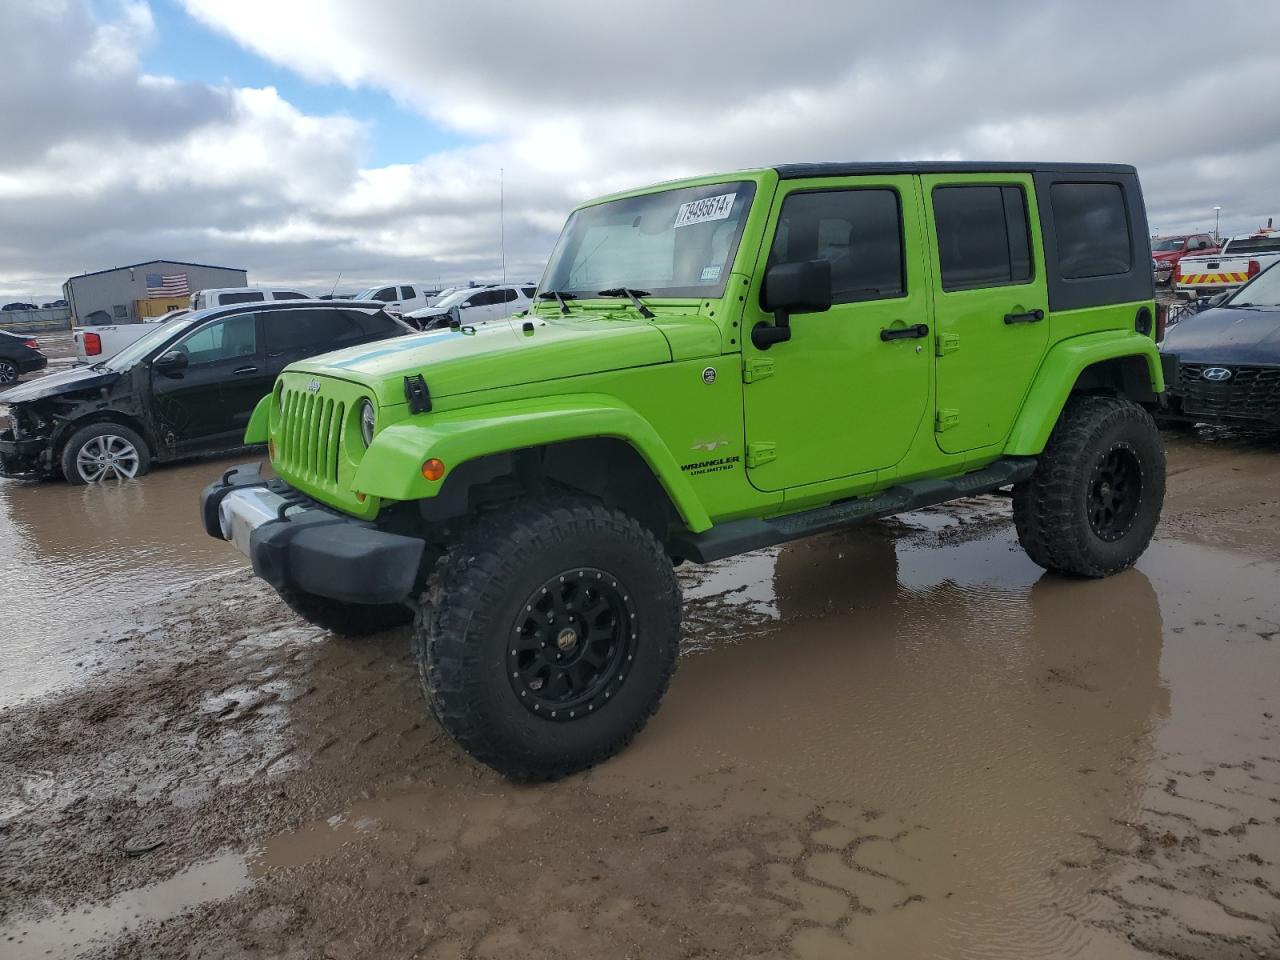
(712, 366)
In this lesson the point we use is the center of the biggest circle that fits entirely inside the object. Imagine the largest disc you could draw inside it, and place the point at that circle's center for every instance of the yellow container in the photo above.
(146, 309)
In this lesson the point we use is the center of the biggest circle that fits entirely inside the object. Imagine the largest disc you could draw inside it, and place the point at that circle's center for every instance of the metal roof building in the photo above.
(131, 293)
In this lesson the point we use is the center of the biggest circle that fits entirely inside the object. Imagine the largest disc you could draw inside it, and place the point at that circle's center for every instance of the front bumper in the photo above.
(23, 459)
(295, 543)
(1250, 395)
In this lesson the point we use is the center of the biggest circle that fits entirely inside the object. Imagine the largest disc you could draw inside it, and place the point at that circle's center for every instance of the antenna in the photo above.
(502, 226)
(335, 285)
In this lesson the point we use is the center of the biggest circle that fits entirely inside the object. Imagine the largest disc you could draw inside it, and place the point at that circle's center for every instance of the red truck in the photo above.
(1167, 251)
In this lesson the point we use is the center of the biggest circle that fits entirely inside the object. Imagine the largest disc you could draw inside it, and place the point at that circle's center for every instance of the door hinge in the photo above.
(761, 453)
(756, 368)
(948, 343)
(945, 420)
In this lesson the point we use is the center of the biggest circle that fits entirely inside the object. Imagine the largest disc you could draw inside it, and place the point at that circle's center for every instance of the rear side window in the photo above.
(983, 236)
(528, 291)
(313, 331)
(229, 298)
(859, 232)
(1092, 229)
(406, 293)
(1254, 245)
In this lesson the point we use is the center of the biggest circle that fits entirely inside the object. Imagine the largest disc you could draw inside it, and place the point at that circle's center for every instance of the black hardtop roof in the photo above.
(147, 263)
(799, 171)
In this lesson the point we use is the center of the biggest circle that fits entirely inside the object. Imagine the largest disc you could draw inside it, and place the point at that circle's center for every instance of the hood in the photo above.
(1167, 256)
(1227, 335)
(75, 380)
(499, 353)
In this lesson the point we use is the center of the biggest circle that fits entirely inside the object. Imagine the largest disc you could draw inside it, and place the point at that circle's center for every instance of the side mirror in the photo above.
(1219, 298)
(803, 287)
(171, 361)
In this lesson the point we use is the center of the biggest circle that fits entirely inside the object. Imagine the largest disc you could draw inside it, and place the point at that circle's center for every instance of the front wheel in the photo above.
(548, 636)
(1092, 505)
(104, 451)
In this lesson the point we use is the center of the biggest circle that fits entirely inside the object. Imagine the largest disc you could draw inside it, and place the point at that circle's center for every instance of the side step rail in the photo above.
(741, 536)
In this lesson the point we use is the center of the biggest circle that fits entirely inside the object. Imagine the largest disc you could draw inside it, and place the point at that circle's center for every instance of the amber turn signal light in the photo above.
(433, 469)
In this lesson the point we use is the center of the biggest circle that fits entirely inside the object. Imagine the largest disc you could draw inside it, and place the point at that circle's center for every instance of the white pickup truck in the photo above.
(95, 344)
(1241, 259)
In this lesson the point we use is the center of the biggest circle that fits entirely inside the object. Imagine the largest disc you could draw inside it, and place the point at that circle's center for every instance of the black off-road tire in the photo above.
(1055, 511)
(345, 619)
(103, 429)
(480, 604)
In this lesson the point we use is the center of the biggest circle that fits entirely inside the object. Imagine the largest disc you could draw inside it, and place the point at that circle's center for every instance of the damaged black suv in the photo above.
(186, 388)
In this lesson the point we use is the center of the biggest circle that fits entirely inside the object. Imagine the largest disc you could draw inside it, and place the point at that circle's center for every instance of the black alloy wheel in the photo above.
(572, 644)
(1115, 492)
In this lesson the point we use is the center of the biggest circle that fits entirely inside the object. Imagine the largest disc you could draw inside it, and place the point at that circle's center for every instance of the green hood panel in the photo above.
(499, 353)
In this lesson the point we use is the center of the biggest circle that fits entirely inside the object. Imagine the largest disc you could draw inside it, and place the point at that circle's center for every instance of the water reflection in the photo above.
(1004, 715)
(80, 560)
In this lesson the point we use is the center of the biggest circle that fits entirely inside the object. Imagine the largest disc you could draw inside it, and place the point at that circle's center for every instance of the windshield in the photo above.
(1167, 244)
(444, 303)
(1255, 245)
(135, 351)
(677, 243)
(1262, 291)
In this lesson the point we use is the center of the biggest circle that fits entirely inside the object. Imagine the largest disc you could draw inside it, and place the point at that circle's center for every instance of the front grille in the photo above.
(307, 441)
(1252, 392)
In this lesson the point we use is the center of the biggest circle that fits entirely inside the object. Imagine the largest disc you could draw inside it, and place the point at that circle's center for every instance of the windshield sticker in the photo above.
(712, 272)
(705, 210)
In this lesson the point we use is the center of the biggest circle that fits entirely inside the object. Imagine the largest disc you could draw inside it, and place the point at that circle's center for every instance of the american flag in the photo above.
(163, 285)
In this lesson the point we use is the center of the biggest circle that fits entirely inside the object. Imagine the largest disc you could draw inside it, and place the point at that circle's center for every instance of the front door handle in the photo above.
(905, 333)
(1030, 316)
(242, 371)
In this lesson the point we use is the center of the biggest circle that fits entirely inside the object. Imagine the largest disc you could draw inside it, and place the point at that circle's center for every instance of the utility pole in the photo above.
(1216, 213)
(502, 226)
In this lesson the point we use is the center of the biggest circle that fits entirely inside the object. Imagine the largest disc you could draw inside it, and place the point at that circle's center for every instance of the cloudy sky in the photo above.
(300, 138)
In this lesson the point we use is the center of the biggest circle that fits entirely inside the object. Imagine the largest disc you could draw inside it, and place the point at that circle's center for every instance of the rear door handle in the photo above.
(1030, 316)
(905, 333)
(240, 372)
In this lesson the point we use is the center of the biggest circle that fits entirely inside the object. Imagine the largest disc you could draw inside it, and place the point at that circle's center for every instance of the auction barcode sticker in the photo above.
(708, 208)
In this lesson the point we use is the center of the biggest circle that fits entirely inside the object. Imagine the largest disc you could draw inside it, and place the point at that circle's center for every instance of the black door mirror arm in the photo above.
(765, 335)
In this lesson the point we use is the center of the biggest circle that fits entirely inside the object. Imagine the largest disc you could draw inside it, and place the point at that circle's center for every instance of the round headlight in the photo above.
(368, 420)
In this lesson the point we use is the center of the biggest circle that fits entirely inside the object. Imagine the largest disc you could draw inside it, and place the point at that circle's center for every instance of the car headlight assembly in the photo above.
(368, 421)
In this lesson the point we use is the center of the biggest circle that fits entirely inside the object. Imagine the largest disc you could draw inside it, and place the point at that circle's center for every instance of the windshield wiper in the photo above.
(558, 297)
(633, 295)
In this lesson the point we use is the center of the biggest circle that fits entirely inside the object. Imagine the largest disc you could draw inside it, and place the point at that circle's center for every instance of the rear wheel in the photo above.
(104, 451)
(548, 636)
(8, 371)
(1092, 505)
(345, 619)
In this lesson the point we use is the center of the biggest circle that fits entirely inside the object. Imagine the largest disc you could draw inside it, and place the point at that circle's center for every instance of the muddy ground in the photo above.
(902, 741)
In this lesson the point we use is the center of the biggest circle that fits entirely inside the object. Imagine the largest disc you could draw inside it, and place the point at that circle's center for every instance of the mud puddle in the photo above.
(904, 740)
(78, 563)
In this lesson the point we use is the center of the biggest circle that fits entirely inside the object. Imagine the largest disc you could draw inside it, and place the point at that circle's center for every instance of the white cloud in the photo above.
(572, 99)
